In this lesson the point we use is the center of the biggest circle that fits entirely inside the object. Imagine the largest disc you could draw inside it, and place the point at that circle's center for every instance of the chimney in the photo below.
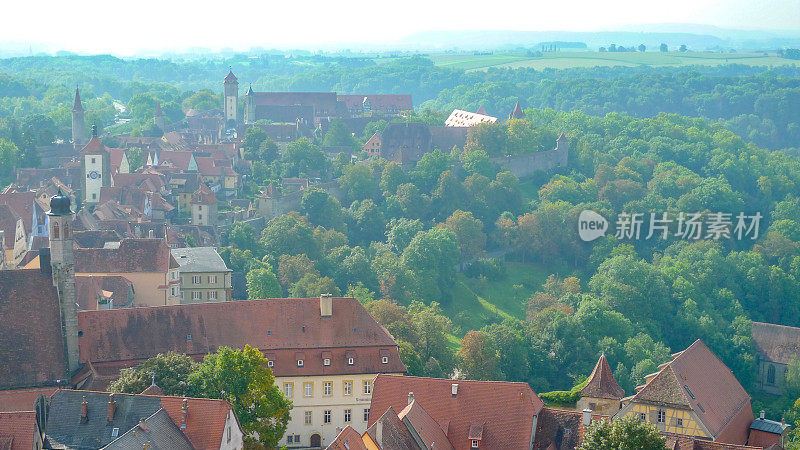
(762, 414)
(112, 407)
(454, 389)
(142, 425)
(587, 417)
(184, 413)
(326, 305)
(410, 397)
(379, 433)
(150, 234)
(84, 410)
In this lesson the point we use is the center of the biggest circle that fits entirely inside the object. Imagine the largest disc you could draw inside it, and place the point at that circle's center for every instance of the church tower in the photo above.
(250, 106)
(96, 168)
(62, 263)
(231, 100)
(78, 124)
(159, 118)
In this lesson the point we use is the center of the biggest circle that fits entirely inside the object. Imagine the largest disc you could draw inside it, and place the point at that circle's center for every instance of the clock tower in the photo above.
(231, 100)
(96, 168)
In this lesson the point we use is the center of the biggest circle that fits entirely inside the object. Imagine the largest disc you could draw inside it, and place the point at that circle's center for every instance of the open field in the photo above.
(564, 60)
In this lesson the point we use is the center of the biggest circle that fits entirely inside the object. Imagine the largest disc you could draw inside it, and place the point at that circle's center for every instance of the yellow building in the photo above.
(695, 394)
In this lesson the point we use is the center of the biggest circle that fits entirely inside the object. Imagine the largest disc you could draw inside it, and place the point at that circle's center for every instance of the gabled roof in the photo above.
(199, 259)
(284, 329)
(17, 430)
(696, 379)
(559, 429)
(22, 203)
(461, 118)
(8, 224)
(517, 112)
(230, 77)
(132, 255)
(777, 343)
(33, 354)
(94, 147)
(205, 421)
(602, 383)
(423, 424)
(389, 432)
(481, 111)
(23, 399)
(347, 439)
(378, 102)
(504, 409)
(157, 432)
(769, 426)
(204, 196)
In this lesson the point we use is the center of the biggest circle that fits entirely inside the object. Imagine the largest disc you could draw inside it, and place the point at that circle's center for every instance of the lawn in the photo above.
(564, 60)
(479, 302)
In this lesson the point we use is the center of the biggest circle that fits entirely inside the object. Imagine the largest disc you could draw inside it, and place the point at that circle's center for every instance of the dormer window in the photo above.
(326, 362)
(350, 361)
(270, 364)
(299, 363)
(475, 443)
(385, 360)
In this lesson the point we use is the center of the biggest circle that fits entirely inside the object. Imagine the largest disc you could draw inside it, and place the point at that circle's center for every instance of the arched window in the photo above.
(771, 374)
(66, 230)
(55, 230)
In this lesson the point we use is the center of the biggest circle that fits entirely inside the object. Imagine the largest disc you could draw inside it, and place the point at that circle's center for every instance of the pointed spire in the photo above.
(250, 90)
(517, 113)
(481, 111)
(601, 383)
(230, 77)
(158, 109)
(77, 106)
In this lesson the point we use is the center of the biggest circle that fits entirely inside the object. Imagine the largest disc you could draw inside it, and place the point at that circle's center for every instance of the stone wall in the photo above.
(525, 165)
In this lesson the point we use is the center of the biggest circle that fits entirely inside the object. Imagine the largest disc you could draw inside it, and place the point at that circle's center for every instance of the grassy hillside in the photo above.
(565, 60)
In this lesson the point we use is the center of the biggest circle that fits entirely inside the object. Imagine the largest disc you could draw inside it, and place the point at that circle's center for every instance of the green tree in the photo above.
(262, 283)
(358, 182)
(402, 231)
(291, 268)
(338, 135)
(170, 372)
(431, 257)
(253, 138)
(289, 234)
(311, 285)
(9, 158)
(478, 357)
(392, 177)
(626, 433)
(243, 378)
(469, 233)
(135, 159)
(322, 209)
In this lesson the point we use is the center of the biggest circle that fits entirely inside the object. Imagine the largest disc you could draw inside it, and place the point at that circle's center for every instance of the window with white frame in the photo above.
(385, 359)
(348, 387)
(366, 414)
(270, 363)
(327, 388)
(368, 386)
(308, 389)
(212, 279)
(196, 279)
(350, 361)
(212, 295)
(348, 413)
(326, 416)
(299, 363)
(307, 418)
(476, 443)
(197, 295)
(288, 390)
(326, 362)
(662, 416)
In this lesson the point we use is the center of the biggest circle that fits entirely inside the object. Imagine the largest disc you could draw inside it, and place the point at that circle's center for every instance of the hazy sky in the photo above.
(153, 25)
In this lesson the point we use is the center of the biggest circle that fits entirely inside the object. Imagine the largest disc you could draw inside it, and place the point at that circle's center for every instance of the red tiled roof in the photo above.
(680, 442)
(179, 159)
(153, 390)
(504, 409)
(347, 439)
(558, 429)
(116, 155)
(602, 383)
(778, 343)
(206, 419)
(278, 327)
(22, 399)
(17, 430)
(429, 431)
(94, 147)
(22, 204)
(319, 100)
(230, 77)
(133, 255)
(8, 224)
(697, 379)
(32, 354)
(204, 195)
(517, 113)
(381, 102)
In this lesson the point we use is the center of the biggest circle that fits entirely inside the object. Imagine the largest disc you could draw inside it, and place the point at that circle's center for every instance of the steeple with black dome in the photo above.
(59, 205)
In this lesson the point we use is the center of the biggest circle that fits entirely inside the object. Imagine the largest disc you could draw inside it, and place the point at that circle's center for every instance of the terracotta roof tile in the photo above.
(204, 195)
(94, 147)
(32, 355)
(378, 102)
(22, 204)
(428, 430)
(505, 409)
(389, 432)
(347, 439)
(132, 255)
(22, 399)
(558, 429)
(778, 343)
(602, 383)
(19, 427)
(206, 419)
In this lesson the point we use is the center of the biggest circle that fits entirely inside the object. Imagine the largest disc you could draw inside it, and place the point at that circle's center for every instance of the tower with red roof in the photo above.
(78, 123)
(231, 99)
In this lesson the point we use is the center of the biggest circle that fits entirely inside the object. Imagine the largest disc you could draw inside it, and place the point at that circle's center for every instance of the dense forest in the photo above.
(415, 244)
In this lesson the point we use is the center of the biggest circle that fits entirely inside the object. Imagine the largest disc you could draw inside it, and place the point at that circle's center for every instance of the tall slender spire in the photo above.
(77, 106)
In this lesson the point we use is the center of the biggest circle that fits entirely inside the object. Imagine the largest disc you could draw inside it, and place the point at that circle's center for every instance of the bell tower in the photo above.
(62, 263)
(78, 124)
(231, 100)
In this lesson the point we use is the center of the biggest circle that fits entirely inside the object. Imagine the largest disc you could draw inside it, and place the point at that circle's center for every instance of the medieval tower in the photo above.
(250, 106)
(78, 124)
(62, 262)
(158, 118)
(231, 100)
